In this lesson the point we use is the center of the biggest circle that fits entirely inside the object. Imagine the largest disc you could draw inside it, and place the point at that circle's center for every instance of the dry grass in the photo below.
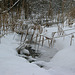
(72, 13)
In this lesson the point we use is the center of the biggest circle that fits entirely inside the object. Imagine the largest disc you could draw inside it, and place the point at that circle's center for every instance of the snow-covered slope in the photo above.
(64, 58)
(63, 63)
(12, 64)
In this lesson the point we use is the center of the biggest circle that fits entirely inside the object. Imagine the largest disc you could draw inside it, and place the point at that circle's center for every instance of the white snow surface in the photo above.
(12, 64)
(64, 58)
(25, 51)
(63, 62)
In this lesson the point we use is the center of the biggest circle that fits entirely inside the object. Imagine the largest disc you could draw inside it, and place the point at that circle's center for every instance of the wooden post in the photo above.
(49, 43)
(42, 40)
(71, 39)
(39, 41)
(32, 36)
(26, 35)
(36, 38)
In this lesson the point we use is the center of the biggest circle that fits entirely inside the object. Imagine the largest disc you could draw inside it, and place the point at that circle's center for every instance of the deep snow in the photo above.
(12, 64)
(62, 57)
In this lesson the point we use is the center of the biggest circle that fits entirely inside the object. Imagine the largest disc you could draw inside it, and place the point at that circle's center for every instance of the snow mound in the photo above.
(25, 51)
(64, 59)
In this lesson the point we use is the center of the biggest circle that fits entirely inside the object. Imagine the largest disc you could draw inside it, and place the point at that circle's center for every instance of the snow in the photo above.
(46, 53)
(58, 60)
(25, 51)
(48, 31)
(64, 58)
(12, 64)
(60, 71)
(63, 63)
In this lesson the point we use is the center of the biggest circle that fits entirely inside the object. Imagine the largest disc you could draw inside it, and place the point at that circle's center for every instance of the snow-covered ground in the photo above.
(12, 64)
(58, 60)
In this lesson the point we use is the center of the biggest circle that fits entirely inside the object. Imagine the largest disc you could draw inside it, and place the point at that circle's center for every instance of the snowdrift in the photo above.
(12, 64)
